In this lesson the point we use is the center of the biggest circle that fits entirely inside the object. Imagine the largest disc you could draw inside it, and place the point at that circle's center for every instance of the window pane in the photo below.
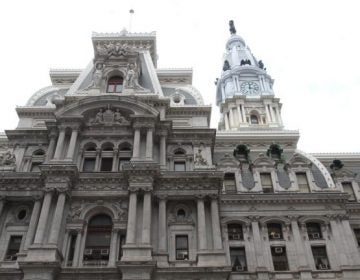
(320, 257)
(279, 258)
(302, 182)
(13, 248)
(238, 259)
(106, 164)
(235, 232)
(111, 88)
(182, 250)
(266, 182)
(313, 230)
(118, 88)
(89, 164)
(274, 231)
(179, 166)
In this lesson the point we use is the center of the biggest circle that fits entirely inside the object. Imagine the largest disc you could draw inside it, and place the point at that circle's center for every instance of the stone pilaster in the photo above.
(33, 223)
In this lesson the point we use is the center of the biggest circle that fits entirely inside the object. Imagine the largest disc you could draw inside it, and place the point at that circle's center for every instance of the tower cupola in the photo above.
(244, 80)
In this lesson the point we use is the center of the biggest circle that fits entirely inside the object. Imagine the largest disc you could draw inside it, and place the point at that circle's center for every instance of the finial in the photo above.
(232, 27)
(131, 18)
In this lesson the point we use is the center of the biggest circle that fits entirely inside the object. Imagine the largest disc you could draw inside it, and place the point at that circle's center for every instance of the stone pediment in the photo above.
(107, 117)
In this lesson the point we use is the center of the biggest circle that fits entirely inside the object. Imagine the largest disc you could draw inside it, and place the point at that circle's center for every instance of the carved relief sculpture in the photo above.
(199, 159)
(108, 118)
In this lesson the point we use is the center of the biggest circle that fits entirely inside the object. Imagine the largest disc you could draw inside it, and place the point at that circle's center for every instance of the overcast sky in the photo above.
(310, 48)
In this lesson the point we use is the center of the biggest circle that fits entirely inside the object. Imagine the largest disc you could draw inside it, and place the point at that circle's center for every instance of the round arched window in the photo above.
(115, 84)
(181, 214)
(254, 119)
(97, 246)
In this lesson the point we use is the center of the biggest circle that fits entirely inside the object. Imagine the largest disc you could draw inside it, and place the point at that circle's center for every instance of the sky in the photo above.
(311, 49)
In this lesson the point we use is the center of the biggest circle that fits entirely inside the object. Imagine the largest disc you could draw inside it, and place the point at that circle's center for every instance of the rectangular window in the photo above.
(89, 164)
(279, 258)
(302, 182)
(122, 162)
(357, 235)
(13, 248)
(71, 248)
(106, 164)
(320, 257)
(347, 187)
(266, 182)
(238, 259)
(179, 166)
(229, 183)
(182, 247)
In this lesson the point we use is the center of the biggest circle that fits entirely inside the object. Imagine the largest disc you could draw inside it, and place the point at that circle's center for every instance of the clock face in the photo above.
(249, 88)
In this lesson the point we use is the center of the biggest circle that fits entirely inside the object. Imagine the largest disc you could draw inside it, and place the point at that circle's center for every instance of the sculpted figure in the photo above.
(199, 160)
(118, 117)
(131, 76)
(99, 117)
(7, 159)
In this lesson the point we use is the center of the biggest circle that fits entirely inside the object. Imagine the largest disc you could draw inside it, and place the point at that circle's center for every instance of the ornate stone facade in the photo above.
(116, 174)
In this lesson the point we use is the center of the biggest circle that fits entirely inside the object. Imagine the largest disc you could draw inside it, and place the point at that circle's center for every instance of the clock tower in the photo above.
(245, 90)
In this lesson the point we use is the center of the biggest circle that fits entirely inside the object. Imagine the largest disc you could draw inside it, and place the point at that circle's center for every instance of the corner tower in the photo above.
(245, 90)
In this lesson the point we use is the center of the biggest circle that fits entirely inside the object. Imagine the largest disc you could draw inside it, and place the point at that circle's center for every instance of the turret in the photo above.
(245, 90)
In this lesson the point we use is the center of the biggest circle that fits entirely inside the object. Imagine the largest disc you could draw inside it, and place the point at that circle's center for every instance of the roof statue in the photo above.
(232, 27)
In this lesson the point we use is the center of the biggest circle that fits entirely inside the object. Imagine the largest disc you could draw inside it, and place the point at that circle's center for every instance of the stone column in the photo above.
(77, 248)
(239, 114)
(215, 222)
(272, 113)
(338, 243)
(162, 225)
(32, 224)
(268, 117)
(131, 226)
(60, 144)
(72, 144)
(352, 244)
(113, 247)
(136, 147)
(243, 112)
(278, 114)
(258, 245)
(39, 236)
(163, 151)
(232, 121)
(226, 119)
(50, 150)
(201, 224)
(115, 166)
(149, 144)
(57, 219)
(98, 159)
(299, 245)
(146, 225)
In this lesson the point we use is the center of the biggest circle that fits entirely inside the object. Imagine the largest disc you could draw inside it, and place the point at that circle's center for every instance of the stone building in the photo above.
(113, 172)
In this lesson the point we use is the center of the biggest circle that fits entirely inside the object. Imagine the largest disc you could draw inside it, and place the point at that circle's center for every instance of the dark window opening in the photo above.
(71, 249)
(13, 248)
(121, 244)
(182, 247)
(235, 232)
(89, 164)
(320, 257)
(115, 85)
(106, 164)
(181, 214)
(229, 183)
(179, 166)
(22, 214)
(238, 259)
(275, 231)
(313, 231)
(279, 258)
(254, 119)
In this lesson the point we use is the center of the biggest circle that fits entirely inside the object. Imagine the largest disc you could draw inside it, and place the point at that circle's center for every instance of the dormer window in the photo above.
(115, 84)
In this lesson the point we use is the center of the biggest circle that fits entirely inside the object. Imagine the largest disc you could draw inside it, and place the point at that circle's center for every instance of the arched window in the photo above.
(235, 232)
(179, 160)
(254, 119)
(107, 157)
(275, 231)
(313, 231)
(115, 84)
(97, 245)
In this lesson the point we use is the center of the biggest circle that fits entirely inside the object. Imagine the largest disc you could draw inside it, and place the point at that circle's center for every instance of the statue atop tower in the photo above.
(232, 27)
